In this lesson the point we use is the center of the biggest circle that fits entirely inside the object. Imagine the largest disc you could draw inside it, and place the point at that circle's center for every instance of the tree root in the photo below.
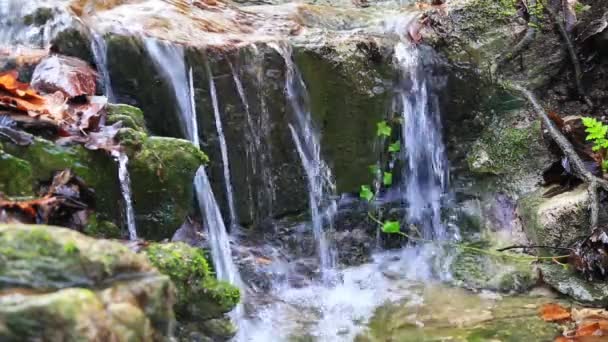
(578, 167)
(578, 75)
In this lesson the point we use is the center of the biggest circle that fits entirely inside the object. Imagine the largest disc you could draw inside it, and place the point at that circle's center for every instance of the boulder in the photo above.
(563, 280)
(71, 76)
(58, 284)
(557, 221)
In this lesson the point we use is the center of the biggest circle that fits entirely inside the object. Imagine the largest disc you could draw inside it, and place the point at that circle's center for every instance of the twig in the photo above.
(594, 204)
(578, 75)
(532, 246)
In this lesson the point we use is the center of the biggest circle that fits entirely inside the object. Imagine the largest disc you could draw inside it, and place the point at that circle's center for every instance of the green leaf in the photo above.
(366, 193)
(395, 147)
(387, 179)
(604, 165)
(374, 169)
(391, 227)
(383, 129)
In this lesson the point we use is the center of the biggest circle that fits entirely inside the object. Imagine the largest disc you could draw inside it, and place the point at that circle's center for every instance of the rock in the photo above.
(475, 270)
(566, 282)
(162, 173)
(131, 117)
(557, 221)
(199, 295)
(70, 76)
(58, 284)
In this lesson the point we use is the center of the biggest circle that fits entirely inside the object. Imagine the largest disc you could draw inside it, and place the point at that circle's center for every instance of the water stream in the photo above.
(125, 190)
(321, 187)
(100, 55)
(223, 147)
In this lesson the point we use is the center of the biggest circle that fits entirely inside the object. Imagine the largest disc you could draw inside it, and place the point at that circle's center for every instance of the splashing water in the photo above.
(223, 147)
(125, 189)
(100, 54)
(320, 182)
(426, 170)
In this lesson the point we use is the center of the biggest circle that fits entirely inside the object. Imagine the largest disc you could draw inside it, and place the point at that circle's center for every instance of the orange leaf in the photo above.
(9, 82)
(592, 329)
(563, 339)
(553, 312)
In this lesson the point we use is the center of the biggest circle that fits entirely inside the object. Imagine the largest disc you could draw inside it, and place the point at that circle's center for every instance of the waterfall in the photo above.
(223, 146)
(318, 174)
(170, 63)
(426, 169)
(100, 54)
(125, 189)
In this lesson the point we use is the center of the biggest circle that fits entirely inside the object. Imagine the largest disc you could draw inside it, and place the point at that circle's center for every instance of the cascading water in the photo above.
(170, 62)
(223, 147)
(100, 54)
(125, 189)
(426, 170)
(320, 182)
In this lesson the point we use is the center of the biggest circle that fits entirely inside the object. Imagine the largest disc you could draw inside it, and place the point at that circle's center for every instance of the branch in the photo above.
(578, 75)
(523, 43)
(532, 246)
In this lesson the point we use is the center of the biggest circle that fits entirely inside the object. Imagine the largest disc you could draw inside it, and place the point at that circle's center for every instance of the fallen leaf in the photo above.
(553, 313)
(580, 315)
(590, 329)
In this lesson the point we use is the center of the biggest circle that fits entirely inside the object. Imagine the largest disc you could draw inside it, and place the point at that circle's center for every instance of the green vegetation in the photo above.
(596, 132)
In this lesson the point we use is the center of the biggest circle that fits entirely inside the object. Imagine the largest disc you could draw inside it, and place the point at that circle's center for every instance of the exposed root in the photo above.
(578, 75)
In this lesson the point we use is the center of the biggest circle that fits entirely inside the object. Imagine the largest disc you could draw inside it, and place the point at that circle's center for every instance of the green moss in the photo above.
(102, 229)
(96, 168)
(162, 174)
(131, 117)
(39, 17)
(503, 150)
(73, 42)
(15, 176)
(199, 294)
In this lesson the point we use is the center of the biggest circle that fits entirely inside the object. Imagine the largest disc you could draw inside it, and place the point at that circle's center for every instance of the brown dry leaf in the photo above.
(590, 329)
(585, 314)
(554, 312)
(563, 339)
(10, 83)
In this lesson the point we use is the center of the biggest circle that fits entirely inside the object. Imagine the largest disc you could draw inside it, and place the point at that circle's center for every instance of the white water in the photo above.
(223, 147)
(100, 54)
(170, 63)
(125, 190)
(318, 174)
(426, 173)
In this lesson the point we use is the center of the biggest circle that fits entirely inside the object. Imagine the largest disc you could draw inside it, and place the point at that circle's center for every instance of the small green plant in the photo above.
(366, 192)
(596, 132)
(70, 248)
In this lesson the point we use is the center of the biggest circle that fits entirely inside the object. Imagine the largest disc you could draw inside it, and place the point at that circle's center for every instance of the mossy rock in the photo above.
(39, 161)
(131, 117)
(102, 229)
(51, 258)
(505, 273)
(199, 294)
(59, 285)
(557, 221)
(162, 174)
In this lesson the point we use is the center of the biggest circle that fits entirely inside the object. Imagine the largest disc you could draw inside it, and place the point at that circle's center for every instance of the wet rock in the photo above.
(59, 284)
(354, 246)
(162, 172)
(199, 295)
(476, 270)
(557, 221)
(131, 117)
(70, 76)
(566, 282)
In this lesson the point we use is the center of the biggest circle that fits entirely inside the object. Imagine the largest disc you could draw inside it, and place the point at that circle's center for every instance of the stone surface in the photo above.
(566, 282)
(58, 284)
(71, 76)
(199, 295)
(557, 221)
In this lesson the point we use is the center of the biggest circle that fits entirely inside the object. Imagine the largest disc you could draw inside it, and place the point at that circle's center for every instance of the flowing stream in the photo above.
(223, 147)
(125, 190)
(100, 54)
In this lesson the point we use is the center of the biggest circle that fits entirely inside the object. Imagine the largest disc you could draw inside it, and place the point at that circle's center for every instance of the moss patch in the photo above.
(199, 294)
